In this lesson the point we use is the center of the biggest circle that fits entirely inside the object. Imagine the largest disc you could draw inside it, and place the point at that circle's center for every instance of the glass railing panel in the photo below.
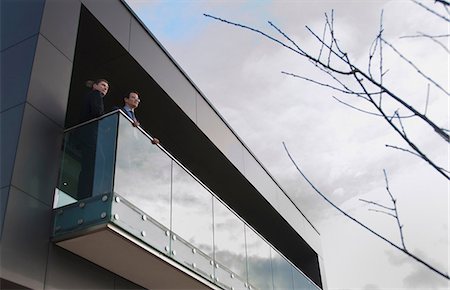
(191, 216)
(302, 283)
(229, 242)
(282, 272)
(227, 279)
(139, 224)
(258, 260)
(105, 155)
(143, 173)
(87, 164)
(192, 257)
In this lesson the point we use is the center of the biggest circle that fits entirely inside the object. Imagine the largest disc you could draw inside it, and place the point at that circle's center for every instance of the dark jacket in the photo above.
(92, 106)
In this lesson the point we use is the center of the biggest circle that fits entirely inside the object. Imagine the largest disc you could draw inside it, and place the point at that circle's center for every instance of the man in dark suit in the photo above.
(87, 135)
(93, 101)
(131, 101)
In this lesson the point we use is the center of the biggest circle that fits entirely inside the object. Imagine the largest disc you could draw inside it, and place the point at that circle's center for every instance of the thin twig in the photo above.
(357, 109)
(431, 10)
(415, 67)
(428, 98)
(443, 2)
(432, 37)
(413, 153)
(445, 275)
(377, 204)
(383, 212)
(402, 134)
(394, 201)
(322, 84)
(354, 70)
(381, 57)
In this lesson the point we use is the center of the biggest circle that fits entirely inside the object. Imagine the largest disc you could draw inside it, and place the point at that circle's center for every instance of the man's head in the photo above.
(101, 85)
(132, 99)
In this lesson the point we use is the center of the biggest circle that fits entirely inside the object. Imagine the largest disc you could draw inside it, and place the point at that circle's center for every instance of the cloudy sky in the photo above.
(341, 150)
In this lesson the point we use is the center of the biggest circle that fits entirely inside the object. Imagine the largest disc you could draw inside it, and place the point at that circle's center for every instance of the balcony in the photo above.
(130, 207)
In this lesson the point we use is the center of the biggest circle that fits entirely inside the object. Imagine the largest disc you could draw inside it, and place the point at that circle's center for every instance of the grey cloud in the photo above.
(420, 277)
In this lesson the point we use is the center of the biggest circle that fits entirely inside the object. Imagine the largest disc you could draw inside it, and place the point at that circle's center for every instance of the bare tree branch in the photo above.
(358, 76)
(361, 110)
(432, 37)
(415, 67)
(431, 10)
(421, 261)
(352, 76)
(413, 153)
(443, 2)
(354, 70)
(377, 204)
(428, 98)
(394, 201)
(383, 212)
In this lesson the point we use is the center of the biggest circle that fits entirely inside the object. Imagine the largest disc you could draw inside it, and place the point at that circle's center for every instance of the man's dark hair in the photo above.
(90, 83)
(127, 95)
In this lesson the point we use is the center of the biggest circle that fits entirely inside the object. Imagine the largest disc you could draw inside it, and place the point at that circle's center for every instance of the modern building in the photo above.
(197, 211)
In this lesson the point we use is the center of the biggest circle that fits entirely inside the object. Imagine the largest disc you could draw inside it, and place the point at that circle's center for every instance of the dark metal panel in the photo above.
(60, 24)
(50, 81)
(10, 122)
(20, 19)
(25, 240)
(16, 64)
(4, 192)
(153, 59)
(67, 270)
(37, 159)
(114, 17)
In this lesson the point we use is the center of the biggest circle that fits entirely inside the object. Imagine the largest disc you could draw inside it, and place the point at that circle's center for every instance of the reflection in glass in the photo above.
(191, 211)
(143, 173)
(258, 259)
(88, 161)
(282, 271)
(105, 155)
(229, 239)
(301, 282)
(67, 188)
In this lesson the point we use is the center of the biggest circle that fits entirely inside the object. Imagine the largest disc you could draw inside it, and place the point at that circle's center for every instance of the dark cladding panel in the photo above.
(162, 69)
(16, 64)
(19, 20)
(36, 166)
(25, 240)
(114, 17)
(60, 24)
(3, 201)
(10, 122)
(50, 81)
(66, 270)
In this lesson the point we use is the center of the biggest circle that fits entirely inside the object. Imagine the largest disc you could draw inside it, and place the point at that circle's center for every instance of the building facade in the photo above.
(197, 211)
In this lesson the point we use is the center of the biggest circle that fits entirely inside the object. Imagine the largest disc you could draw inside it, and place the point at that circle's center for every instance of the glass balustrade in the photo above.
(88, 161)
(173, 211)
